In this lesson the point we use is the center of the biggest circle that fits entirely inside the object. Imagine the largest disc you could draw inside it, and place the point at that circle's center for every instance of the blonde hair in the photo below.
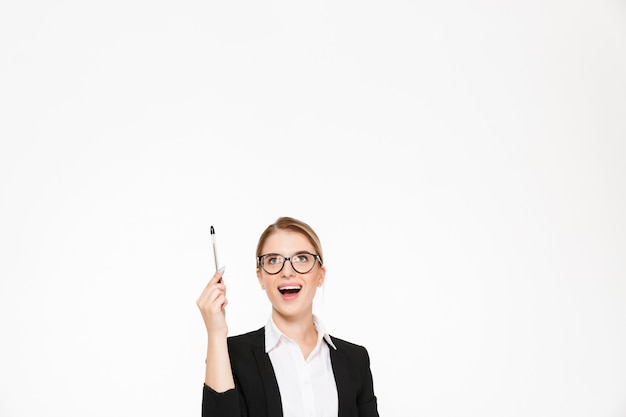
(294, 225)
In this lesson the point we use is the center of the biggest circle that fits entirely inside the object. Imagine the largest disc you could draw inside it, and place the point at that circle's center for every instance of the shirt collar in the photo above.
(273, 335)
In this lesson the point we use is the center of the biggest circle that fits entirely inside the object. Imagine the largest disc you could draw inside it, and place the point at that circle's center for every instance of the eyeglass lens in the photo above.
(301, 263)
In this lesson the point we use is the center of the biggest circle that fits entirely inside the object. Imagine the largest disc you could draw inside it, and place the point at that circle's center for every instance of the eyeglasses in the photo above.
(302, 262)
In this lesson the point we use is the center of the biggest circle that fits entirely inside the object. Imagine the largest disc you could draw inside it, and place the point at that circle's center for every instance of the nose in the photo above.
(288, 270)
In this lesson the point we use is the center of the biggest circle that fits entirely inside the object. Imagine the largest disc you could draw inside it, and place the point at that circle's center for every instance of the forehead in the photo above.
(286, 242)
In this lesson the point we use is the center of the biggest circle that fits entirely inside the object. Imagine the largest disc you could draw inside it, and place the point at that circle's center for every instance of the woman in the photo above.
(290, 367)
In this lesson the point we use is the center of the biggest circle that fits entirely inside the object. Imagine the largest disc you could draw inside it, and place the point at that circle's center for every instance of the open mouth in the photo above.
(290, 289)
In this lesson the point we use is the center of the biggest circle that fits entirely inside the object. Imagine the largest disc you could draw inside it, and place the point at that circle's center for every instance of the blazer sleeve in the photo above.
(220, 404)
(366, 400)
(247, 398)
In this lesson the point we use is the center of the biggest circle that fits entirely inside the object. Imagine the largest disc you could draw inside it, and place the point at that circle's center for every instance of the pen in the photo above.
(214, 248)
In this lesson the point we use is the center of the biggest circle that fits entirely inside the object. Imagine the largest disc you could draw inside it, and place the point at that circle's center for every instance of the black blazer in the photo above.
(256, 391)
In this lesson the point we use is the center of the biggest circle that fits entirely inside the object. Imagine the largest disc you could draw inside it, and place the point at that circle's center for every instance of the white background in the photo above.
(462, 162)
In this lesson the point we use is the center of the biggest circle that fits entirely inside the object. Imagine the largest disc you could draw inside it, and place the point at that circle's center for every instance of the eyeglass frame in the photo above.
(285, 259)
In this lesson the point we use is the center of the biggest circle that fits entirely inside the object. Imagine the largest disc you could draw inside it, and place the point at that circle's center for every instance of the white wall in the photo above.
(463, 163)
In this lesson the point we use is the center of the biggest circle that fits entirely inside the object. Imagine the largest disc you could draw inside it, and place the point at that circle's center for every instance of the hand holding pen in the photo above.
(212, 301)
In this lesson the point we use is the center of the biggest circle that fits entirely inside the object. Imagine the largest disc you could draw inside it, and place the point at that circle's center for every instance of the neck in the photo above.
(301, 329)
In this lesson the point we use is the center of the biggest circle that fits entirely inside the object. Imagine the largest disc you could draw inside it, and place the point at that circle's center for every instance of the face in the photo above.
(291, 293)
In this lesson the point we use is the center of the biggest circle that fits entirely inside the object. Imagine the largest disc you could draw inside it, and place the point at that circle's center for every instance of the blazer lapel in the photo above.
(342, 379)
(272, 394)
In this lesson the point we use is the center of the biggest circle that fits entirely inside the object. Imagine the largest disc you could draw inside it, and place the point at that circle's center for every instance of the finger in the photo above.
(211, 292)
(209, 289)
(217, 277)
(218, 304)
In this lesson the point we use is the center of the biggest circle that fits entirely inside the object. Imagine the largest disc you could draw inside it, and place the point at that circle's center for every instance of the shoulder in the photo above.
(346, 344)
(244, 350)
(352, 350)
(254, 334)
(250, 340)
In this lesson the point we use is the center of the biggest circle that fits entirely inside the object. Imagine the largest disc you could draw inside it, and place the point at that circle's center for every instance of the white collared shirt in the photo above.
(307, 387)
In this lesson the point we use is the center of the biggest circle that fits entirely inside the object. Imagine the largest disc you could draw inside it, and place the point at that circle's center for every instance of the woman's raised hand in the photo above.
(212, 303)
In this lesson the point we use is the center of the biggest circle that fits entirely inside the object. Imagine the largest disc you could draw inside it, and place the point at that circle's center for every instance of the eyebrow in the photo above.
(295, 253)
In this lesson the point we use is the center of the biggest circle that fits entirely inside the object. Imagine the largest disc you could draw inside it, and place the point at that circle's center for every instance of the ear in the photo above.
(321, 276)
(258, 276)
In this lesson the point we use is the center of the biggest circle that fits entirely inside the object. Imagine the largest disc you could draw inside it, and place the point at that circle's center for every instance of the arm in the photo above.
(212, 304)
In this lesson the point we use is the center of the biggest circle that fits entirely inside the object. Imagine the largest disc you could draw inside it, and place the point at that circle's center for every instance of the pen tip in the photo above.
(212, 230)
